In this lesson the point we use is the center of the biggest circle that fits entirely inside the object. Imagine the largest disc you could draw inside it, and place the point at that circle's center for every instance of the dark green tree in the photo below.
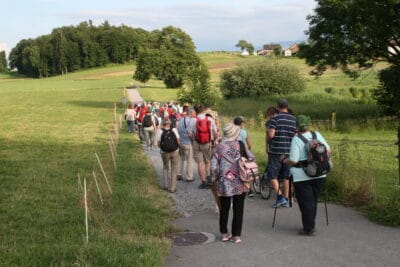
(242, 44)
(170, 57)
(354, 33)
(3, 61)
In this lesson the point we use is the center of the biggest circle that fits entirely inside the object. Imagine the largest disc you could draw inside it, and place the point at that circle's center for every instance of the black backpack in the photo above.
(317, 163)
(147, 122)
(169, 142)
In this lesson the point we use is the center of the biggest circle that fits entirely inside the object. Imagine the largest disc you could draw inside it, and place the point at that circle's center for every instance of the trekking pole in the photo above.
(276, 207)
(326, 206)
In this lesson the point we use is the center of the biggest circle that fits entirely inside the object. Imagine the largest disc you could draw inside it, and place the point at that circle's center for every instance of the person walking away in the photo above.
(130, 117)
(185, 147)
(149, 128)
(307, 188)
(168, 141)
(174, 118)
(271, 111)
(203, 129)
(280, 131)
(231, 189)
(244, 137)
(141, 112)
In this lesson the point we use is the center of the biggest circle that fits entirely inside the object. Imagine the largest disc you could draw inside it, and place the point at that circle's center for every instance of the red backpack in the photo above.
(203, 130)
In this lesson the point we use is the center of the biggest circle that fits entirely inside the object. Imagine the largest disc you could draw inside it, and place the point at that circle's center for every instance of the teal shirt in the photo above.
(298, 153)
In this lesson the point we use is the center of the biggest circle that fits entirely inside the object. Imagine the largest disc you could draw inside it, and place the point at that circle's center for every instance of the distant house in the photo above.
(268, 49)
(244, 53)
(294, 48)
(287, 53)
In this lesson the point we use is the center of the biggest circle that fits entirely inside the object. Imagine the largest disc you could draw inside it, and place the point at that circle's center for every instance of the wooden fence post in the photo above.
(333, 120)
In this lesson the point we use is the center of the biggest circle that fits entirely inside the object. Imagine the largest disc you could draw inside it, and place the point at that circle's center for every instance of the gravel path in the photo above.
(349, 240)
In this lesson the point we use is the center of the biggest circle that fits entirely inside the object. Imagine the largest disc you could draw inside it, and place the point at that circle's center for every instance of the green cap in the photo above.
(302, 121)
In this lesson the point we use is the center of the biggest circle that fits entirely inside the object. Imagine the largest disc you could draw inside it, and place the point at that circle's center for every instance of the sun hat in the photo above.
(238, 120)
(230, 132)
(303, 121)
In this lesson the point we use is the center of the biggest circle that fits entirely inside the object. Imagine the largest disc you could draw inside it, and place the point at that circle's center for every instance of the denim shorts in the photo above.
(276, 169)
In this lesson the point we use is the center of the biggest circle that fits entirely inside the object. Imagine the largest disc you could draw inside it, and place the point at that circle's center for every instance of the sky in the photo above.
(212, 24)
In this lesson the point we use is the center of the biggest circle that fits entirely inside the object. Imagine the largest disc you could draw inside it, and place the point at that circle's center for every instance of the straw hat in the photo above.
(230, 132)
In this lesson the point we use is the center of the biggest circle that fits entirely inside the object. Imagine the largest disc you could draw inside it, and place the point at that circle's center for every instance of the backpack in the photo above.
(248, 169)
(317, 163)
(147, 122)
(169, 142)
(203, 130)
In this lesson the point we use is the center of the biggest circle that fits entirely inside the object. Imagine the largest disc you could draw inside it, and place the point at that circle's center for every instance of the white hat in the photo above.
(231, 132)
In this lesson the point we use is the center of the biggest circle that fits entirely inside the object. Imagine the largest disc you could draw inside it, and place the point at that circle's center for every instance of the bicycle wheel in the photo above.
(256, 185)
(265, 189)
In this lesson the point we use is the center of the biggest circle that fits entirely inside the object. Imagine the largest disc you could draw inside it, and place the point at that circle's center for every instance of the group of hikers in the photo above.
(188, 135)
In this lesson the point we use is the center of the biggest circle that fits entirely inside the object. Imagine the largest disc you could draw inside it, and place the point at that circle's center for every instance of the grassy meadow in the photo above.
(50, 130)
(52, 127)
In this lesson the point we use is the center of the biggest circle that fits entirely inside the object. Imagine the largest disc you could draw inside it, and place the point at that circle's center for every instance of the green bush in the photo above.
(260, 79)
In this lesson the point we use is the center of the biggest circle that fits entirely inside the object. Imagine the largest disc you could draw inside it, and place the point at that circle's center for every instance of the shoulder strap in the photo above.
(314, 135)
(242, 149)
(302, 138)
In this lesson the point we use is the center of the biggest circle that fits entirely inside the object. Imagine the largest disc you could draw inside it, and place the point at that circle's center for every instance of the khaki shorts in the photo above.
(202, 152)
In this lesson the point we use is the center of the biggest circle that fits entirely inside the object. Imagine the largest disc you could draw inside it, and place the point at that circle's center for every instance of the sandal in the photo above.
(235, 239)
(226, 237)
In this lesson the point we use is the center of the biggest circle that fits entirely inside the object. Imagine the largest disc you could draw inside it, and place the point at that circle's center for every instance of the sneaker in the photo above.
(281, 203)
(226, 237)
(235, 239)
(250, 193)
(179, 177)
(204, 185)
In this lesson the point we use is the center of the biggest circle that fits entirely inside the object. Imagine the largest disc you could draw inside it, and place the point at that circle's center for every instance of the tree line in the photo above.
(71, 48)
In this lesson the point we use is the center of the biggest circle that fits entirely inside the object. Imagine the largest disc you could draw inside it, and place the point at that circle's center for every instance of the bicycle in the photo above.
(262, 186)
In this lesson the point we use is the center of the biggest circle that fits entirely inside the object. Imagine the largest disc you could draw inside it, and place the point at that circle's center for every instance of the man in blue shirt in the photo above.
(280, 130)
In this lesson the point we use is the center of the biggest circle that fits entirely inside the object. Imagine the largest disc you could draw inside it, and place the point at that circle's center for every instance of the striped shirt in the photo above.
(285, 129)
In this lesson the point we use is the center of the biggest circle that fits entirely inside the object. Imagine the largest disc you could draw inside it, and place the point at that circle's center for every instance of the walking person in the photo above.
(149, 128)
(203, 130)
(231, 189)
(168, 141)
(307, 188)
(185, 147)
(130, 117)
(244, 137)
(281, 128)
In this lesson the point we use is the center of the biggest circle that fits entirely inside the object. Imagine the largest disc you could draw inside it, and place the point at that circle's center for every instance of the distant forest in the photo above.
(71, 48)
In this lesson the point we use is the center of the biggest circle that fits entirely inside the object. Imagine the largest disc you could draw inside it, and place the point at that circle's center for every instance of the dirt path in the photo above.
(349, 239)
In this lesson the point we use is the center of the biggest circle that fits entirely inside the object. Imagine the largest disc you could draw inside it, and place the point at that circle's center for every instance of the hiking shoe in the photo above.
(209, 180)
(204, 185)
(281, 203)
(179, 177)
(250, 193)
(306, 232)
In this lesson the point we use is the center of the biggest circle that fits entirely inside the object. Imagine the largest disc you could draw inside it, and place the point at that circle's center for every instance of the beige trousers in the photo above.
(173, 159)
(186, 154)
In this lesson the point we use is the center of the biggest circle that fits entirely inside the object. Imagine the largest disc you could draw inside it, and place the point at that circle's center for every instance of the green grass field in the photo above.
(50, 130)
(52, 127)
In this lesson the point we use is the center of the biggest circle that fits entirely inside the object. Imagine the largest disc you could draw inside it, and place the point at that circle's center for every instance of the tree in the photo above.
(3, 61)
(171, 57)
(353, 33)
(242, 44)
(250, 48)
(197, 88)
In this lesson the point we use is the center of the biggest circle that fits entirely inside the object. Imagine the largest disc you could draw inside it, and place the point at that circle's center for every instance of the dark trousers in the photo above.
(237, 221)
(307, 193)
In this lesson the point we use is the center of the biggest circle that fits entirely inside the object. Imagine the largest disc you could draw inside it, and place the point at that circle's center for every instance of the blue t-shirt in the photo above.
(184, 130)
(285, 128)
(299, 153)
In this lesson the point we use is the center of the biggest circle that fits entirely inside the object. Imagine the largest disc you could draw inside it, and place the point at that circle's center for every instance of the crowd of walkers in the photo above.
(188, 135)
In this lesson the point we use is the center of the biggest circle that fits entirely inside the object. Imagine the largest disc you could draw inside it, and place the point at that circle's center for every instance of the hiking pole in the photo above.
(326, 207)
(276, 206)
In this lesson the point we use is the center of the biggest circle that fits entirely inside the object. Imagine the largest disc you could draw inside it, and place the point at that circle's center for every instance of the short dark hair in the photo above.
(283, 103)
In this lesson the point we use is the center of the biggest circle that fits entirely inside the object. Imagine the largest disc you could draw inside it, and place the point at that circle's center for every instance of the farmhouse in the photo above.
(268, 49)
